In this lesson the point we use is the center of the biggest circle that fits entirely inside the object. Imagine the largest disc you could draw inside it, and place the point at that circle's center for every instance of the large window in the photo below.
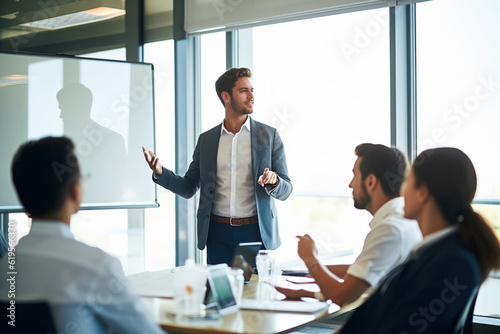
(213, 64)
(324, 84)
(459, 87)
(160, 222)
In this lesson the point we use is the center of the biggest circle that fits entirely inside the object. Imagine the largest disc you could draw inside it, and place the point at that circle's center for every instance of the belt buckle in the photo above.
(231, 222)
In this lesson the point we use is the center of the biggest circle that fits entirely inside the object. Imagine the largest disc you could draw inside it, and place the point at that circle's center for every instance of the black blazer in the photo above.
(425, 294)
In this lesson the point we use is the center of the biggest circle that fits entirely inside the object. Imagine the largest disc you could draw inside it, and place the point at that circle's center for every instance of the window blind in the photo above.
(203, 16)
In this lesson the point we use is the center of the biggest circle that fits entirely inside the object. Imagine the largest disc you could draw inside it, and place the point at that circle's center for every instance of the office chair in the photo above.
(4, 246)
(464, 324)
(30, 317)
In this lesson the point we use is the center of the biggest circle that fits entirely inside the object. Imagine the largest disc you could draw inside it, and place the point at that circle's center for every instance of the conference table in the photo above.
(241, 321)
(487, 310)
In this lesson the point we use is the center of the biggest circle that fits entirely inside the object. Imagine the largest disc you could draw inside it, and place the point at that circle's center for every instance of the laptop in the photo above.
(244, 258)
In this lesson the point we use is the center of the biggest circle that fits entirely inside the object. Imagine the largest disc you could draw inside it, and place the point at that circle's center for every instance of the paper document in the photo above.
(153, 283)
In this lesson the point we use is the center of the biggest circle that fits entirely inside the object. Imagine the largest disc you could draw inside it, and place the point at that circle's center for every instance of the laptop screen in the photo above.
(244, 258)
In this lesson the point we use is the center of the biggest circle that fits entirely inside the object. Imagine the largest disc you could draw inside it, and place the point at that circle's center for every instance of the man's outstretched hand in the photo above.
(153, 161)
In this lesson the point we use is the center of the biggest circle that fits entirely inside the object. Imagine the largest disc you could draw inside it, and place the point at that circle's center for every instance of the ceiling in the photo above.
(76, 38)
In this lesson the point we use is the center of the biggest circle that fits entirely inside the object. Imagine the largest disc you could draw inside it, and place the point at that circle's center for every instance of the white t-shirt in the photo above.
(85, 288)
(389, 242)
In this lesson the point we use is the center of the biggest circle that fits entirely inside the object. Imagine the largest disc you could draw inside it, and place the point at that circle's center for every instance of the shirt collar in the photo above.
(391, 206)
(245, 125)
(436, 236)
(46, 228)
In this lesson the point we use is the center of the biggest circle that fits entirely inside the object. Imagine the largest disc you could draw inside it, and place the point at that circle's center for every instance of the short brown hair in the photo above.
(226, 81)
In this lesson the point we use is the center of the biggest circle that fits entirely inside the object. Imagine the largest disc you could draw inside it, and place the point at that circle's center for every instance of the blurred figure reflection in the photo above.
(100, 150)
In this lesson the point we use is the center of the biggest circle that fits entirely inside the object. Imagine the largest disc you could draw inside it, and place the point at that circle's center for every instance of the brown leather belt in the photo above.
(235, 221)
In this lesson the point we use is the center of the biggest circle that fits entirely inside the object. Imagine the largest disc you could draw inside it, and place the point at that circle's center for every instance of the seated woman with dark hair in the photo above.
(430, 291)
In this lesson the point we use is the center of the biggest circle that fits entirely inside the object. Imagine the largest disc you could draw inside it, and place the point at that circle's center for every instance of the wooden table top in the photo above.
(243, 321)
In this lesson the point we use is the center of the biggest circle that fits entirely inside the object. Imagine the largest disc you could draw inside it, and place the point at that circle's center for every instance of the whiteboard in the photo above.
(105, 107)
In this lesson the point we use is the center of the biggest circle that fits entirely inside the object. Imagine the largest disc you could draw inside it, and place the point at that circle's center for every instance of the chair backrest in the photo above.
(464, 324)
(28, 317)
(4, 246)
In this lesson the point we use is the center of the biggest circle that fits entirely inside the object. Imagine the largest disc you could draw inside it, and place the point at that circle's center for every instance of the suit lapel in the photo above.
(211, 149)
(256, 143)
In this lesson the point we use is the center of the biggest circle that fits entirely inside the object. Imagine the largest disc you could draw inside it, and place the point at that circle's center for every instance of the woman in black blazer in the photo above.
(429, 292)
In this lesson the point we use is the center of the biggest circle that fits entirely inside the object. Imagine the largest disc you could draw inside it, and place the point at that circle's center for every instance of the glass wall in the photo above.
(324, 84)
(458, 87)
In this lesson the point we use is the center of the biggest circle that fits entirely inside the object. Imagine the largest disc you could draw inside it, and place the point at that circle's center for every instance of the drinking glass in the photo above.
(265, 264)
(237, 282)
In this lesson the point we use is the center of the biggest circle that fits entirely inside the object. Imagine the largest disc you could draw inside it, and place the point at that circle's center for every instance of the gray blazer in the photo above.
(267, 151)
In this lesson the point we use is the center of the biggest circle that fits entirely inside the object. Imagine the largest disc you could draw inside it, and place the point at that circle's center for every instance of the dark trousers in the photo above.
(224, 238)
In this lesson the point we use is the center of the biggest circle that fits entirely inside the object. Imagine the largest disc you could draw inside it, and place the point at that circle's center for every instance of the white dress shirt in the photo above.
(389, 242)
(234, 192)
(84, 286)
